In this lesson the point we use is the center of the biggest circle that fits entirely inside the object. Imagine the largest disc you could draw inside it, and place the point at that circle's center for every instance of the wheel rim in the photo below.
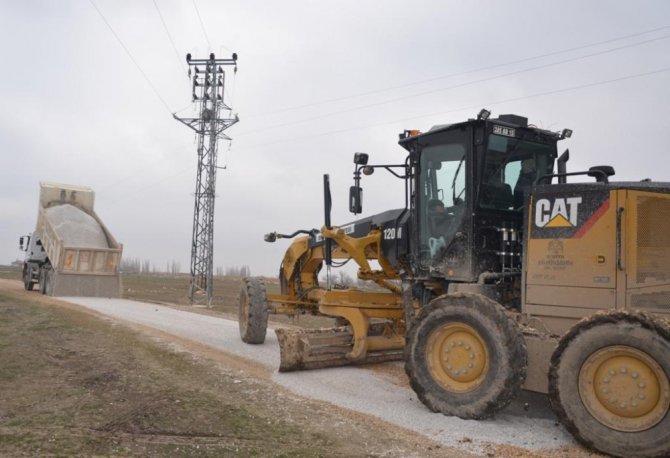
(457, 357)
(624, 388)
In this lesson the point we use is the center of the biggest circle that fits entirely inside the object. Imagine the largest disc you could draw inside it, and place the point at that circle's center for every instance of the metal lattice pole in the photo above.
(208, 80)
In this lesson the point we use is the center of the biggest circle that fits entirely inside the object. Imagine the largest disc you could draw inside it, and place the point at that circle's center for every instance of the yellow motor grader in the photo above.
(496, 275)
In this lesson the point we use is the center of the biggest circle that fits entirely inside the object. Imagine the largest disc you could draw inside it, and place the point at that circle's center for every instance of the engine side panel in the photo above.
(571, 256)
(647, 254)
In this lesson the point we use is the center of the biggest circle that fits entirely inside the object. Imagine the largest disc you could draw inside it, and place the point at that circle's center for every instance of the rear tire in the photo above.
(609, 384)
(43, 280)
(253, 311)
(48, 283)
(465, 357)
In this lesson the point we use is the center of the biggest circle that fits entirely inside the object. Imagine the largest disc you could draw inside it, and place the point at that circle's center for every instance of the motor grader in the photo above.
(496, 275)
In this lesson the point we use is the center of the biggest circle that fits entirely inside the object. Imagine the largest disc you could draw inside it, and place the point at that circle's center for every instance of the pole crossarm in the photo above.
(195, 124)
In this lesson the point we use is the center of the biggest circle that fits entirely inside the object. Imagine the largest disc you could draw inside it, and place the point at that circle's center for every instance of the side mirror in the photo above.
(356, 199)
(21, 243)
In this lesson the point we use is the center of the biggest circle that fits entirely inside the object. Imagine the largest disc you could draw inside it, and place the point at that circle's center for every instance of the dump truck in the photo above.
(496, 275)
(71, 252)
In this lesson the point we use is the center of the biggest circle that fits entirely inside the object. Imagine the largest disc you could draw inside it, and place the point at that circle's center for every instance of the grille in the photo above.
(653, 239)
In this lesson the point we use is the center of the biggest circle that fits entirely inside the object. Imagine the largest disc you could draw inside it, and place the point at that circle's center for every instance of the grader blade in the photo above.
(320, 348)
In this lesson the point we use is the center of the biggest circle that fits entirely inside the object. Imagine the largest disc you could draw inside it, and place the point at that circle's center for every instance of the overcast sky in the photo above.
(317, 81)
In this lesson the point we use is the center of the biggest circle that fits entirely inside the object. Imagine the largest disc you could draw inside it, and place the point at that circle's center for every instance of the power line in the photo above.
(440, 113)
(460, 85)
(204, 32)
(202, 25)
(167, 31)
(476, 70)
(152, 184)
(470, 107)
(167, 107)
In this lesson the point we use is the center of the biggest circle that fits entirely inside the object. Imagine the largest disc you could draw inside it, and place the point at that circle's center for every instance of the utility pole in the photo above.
(208, 80)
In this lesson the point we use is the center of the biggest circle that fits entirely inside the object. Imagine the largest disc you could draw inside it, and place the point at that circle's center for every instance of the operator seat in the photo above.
(497, 195)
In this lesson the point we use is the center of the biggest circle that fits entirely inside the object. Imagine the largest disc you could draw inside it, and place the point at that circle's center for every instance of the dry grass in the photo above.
(73, 384)
(173, 290)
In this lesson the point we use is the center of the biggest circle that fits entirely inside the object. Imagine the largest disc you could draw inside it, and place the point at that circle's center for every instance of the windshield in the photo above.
(443, 196)
(511, 166)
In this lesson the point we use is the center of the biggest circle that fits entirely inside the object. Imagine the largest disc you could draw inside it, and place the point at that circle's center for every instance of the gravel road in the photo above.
(527, 422)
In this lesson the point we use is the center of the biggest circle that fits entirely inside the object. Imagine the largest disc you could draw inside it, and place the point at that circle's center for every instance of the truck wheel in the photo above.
(43, 280)
(253, 311)
(609, 384)
(28, 284)
(48, 282)
(465, 357)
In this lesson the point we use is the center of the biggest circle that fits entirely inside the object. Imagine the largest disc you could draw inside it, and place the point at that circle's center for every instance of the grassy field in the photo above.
(174, 290)
(73, 383)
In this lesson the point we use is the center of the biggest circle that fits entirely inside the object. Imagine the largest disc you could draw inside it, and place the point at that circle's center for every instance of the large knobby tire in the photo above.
(465, 357)
(253, 311)
(609, 384)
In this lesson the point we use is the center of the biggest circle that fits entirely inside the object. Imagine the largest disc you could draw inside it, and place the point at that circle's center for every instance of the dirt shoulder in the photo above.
(73, 383)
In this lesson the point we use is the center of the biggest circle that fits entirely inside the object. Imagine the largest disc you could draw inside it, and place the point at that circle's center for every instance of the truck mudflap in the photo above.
(306, 349)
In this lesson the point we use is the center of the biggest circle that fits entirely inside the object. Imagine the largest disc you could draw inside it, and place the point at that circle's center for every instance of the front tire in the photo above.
(609, 384)
(465, 357)
(253, 311)
(28, 284)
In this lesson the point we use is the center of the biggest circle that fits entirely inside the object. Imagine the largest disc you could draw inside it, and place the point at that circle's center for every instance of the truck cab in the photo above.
(35, 257)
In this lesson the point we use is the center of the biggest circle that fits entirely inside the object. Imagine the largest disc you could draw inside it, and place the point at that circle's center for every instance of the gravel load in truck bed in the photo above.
(76, 228)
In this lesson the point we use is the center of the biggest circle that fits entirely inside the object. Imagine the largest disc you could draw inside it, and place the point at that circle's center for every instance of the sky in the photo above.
(88, 89)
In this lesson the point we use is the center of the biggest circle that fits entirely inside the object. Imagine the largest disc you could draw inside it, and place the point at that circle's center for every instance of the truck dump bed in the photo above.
(84, 255)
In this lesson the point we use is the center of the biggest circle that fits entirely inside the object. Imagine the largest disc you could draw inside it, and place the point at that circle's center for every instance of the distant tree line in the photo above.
(144, 266)
(342, 279)
(241, 271)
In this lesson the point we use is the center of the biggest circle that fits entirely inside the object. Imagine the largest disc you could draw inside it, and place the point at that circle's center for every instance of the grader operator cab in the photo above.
(496, 275)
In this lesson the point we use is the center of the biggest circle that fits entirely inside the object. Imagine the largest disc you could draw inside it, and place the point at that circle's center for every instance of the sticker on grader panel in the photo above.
(568, 215)
(555, 258)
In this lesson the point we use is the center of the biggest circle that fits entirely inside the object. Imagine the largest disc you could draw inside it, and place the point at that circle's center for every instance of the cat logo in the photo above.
(562, 212)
